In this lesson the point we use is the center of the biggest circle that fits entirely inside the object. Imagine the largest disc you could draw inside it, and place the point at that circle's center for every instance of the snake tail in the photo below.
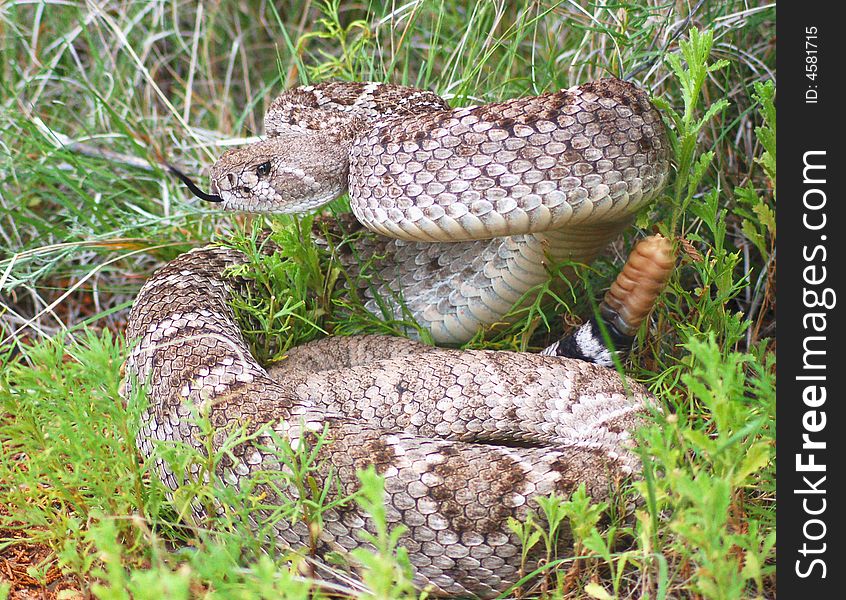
(626, 304)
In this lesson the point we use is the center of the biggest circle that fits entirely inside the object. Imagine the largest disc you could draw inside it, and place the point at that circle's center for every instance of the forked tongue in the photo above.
(192, 186)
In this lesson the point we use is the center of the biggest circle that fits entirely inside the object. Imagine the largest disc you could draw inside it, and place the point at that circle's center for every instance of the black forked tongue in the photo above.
(192, 186)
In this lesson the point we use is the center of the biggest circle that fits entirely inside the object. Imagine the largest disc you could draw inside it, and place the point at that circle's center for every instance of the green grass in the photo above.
(90, 102)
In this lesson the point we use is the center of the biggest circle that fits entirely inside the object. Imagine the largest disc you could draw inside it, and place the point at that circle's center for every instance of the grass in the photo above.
(93, 97)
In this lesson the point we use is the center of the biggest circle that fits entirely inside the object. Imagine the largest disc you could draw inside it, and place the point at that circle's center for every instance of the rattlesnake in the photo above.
(464, 439)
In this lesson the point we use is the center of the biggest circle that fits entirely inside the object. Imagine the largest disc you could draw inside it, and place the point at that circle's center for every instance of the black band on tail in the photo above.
(589, 344)
(192, 186)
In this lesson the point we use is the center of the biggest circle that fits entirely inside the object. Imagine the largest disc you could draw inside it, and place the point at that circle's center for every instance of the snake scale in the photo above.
(470, 205)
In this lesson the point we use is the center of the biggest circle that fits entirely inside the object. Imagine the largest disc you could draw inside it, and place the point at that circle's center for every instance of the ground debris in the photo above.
(30, 569)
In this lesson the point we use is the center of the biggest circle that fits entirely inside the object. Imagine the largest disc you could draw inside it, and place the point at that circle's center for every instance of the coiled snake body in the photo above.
(510, 186)
(464, 439)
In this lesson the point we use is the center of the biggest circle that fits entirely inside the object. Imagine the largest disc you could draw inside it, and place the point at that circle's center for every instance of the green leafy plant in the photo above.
(690, 70)
(704, 470)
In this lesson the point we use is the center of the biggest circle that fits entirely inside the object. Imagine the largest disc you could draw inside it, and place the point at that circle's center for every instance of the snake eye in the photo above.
(263, 169)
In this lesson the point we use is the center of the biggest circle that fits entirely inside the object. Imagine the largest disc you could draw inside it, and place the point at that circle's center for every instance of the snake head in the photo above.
(293, 174)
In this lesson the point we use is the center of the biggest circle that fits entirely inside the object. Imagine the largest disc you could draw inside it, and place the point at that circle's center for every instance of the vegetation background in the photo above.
(95, 94)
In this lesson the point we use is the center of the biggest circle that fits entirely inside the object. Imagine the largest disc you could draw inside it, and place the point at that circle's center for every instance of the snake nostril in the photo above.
(231, 179)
